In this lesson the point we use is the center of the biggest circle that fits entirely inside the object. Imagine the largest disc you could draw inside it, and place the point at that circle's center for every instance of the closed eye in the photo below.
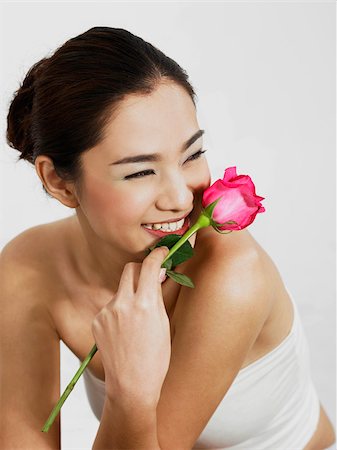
(144, 173)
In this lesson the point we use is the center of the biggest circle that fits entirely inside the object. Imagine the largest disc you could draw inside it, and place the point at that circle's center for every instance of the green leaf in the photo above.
(182, 254)
(168, 241)
(180, 278)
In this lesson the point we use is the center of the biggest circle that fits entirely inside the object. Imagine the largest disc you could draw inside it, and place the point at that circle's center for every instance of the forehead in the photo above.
(166, 115)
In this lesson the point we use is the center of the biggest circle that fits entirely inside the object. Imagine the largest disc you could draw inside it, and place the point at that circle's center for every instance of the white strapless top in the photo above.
(272, 403)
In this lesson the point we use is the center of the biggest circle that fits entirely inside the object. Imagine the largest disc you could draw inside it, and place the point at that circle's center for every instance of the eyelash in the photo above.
(143, 173)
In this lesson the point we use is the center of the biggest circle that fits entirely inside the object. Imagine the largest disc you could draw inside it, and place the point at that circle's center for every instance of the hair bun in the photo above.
(19, 134)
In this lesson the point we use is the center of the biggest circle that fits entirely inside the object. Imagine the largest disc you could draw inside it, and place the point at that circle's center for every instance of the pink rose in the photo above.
(238, 201)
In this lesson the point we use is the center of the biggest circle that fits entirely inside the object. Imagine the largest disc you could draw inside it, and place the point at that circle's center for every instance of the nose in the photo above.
(175, 194)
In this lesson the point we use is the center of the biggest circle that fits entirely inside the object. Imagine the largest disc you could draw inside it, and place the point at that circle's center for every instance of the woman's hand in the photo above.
(132, 334)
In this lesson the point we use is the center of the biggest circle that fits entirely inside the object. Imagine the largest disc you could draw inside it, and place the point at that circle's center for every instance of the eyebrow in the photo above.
(156, 156)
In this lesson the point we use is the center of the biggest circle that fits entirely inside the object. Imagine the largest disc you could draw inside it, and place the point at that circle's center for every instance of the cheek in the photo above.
(201, 183)
(99, 198)
(124, 204)
(202, 178)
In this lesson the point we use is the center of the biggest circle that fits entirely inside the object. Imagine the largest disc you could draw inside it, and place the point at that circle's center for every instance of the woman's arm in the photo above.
(126, 427)
(216, 324)
(30, 358)
(132, 333)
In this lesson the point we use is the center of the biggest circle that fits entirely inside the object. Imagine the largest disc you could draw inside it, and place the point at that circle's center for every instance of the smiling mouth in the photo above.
(168, 224)
(161, 232)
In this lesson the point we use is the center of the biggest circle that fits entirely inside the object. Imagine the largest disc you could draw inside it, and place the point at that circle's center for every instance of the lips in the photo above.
(180, 232)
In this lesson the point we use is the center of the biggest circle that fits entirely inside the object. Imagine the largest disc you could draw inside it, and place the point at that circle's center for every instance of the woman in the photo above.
(223, 365)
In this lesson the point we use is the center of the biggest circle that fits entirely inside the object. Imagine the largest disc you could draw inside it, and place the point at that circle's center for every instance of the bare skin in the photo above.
(74, 310)
(55, 278)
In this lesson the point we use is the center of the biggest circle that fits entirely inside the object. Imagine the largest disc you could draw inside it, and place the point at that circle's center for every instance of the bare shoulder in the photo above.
(27, 262)
(24, 273)
(232, 275)
(237, 261)
(225, 247)
(32, 244)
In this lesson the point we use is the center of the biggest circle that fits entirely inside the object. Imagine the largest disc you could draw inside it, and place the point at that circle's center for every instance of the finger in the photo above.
(129, 280)
(149, 273)
(162, 275)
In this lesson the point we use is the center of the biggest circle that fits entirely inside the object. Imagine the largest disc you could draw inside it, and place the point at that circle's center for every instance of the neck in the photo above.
(96, 263)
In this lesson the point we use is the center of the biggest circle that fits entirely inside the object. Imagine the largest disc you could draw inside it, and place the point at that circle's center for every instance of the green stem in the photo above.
(202, 222)
(68, 389)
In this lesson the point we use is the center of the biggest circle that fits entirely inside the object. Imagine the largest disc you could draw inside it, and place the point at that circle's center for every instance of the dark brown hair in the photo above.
(65, 101)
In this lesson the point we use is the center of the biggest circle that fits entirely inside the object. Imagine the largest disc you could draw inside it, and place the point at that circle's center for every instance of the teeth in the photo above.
(172, 226)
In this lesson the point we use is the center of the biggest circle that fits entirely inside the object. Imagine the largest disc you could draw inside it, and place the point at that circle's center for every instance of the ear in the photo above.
(62, 190)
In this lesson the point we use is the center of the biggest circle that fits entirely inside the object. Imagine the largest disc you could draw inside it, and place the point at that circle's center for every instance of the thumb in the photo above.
(165, 250)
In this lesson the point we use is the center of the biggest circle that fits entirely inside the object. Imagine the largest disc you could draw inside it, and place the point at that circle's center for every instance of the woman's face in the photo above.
(117, 198)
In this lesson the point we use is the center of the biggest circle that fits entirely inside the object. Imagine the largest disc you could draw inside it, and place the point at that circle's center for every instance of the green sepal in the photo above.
(180, 278)
(222, 231)
(230, 222)
(210, 208)
(217, 225)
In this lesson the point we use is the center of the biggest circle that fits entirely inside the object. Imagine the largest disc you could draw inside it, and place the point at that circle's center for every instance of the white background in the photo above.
(264, 73)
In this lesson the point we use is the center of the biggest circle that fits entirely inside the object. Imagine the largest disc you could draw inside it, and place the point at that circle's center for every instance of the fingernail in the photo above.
(162, 274)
